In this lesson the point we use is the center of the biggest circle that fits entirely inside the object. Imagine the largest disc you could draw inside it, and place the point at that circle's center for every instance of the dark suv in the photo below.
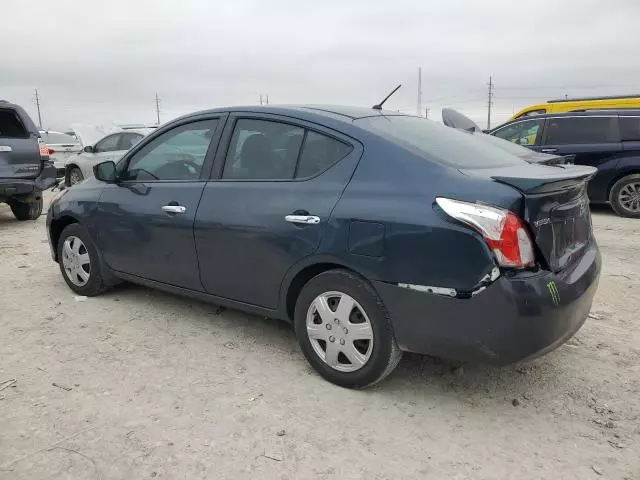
(606, 139)
(25, 169)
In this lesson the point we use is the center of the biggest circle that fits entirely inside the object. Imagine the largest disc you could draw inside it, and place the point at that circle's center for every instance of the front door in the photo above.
(145, 220)
(270, 207)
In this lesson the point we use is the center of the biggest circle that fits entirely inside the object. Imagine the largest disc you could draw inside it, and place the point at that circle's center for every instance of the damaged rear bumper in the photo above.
(514, 318)
(26, 186)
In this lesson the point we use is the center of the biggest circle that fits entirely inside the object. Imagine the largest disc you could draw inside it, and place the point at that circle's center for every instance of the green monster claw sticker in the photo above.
(553, 292)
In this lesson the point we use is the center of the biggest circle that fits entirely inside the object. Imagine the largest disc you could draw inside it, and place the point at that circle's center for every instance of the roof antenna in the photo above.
(379, 106)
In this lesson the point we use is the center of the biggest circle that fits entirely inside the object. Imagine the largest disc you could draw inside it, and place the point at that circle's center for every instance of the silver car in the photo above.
(61, 147)
(99, 147)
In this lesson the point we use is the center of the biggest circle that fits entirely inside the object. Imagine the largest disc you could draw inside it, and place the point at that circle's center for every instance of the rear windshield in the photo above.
(436, 142)
(58, 138)
(11, 126)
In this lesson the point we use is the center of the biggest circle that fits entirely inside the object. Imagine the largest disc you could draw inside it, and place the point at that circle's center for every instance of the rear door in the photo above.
(19, 149)
(267, 208)
(594, 140)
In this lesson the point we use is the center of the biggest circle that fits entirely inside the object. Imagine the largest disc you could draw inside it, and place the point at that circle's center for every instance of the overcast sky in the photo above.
(100, 62)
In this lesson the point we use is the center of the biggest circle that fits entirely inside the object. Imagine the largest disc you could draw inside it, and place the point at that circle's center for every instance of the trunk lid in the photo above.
(556, 206)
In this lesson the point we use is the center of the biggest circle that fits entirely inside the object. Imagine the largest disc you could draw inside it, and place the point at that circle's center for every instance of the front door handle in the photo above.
(549, 150)
(305, 219)
(174, 209)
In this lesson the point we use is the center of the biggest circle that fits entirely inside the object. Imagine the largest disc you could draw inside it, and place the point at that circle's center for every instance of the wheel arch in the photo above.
(56, 228)
(299, 275)
(629, 171)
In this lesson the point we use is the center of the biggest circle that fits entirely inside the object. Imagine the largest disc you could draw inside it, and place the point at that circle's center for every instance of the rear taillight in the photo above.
(505, 234)
(44, 150)
(50, 151)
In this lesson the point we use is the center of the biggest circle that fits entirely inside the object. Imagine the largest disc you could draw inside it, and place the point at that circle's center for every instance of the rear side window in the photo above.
(438, 143)
(630, 129)
(523, 133)
(108, 144)
(576, 130)
(11, 126)
(269, 150)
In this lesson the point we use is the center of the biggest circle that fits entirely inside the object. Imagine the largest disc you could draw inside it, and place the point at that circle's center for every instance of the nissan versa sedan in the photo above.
(372, 232)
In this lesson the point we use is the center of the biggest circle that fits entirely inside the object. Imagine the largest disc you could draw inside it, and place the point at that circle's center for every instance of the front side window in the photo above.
(263, 150)
(175, 155)
(577, 130)
(522, 133)
(108, 144)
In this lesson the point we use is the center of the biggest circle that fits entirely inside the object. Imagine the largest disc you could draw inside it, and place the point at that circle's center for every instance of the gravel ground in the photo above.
(138, 384)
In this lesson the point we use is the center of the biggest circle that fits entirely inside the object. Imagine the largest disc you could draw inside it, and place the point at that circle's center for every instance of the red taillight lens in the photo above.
(44, 150)
(505, 234)
(51, 151)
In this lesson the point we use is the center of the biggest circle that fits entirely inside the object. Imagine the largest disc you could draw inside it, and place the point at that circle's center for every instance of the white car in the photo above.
(99, 145)
(61, 146)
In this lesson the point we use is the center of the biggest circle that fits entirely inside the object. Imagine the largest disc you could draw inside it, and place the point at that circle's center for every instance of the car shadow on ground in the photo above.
(469, 382)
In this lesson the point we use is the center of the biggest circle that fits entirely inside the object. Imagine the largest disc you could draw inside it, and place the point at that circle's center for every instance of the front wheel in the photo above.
(79, 261)
(344, 330)
(625, 196)
(27, 210)
(74, 176)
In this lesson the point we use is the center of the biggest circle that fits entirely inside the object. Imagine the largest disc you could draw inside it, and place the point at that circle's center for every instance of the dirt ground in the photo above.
(138, 384)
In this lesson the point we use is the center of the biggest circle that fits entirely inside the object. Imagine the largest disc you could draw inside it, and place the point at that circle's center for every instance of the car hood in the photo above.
(89, 135)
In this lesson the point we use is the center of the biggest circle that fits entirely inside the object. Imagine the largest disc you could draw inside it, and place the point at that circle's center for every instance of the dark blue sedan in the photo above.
(371, 231)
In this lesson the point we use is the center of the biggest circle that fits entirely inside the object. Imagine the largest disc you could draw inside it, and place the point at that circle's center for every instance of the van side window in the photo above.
(576, 130)
(532, 113)
(630, 129)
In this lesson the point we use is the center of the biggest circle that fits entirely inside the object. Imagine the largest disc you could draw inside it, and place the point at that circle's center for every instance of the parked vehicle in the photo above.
(372, 232)
(454, 119)
(61, 147)
(580, 105)
(607, 139)
(99, 145)
(25, 169)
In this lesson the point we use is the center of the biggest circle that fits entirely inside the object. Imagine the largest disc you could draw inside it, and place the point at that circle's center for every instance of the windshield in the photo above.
(436, 142)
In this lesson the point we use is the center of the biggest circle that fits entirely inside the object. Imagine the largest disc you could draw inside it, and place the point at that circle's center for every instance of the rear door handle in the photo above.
(174, 209)
(549, 150)
(305, 219)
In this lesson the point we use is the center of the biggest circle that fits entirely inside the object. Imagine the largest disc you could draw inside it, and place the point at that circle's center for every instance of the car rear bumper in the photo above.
(515, 318)
(24, 186)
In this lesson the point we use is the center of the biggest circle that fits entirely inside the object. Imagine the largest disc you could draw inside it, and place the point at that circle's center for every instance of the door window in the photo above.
(175, 155)
(129, 140)
(630, 129)
(108, 144)
(319, 153)
(263, 150)
(576, 130)
(522, 133)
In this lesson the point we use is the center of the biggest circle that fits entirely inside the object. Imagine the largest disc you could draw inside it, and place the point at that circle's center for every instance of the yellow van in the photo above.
(578, 104)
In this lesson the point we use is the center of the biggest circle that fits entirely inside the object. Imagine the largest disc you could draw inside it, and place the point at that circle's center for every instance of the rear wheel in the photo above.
(625, 196)
(344, 330)
(27, 210)
(79, 261)
(75, 176)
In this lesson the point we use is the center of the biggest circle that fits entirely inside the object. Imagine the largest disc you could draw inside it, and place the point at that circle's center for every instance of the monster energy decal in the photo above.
(553, 292)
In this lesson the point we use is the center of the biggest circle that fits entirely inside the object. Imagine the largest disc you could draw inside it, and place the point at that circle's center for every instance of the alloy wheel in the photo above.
(629, 197)
(340, 331)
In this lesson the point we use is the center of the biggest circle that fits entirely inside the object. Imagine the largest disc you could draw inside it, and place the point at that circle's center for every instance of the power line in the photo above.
(38, 107)
(489, 102)
(158, 108)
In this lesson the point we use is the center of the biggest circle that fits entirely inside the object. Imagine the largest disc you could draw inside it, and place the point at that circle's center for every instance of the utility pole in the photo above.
(38, 107)
(426, 112)
(158, 108)
(419, 104)
(267, 99)
(260, 99)
(489, 102)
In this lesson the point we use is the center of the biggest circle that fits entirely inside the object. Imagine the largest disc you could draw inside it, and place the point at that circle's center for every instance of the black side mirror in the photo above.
(88, 149)
(105, 171)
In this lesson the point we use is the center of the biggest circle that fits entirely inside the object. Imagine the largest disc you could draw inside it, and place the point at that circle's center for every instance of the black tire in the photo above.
(27, 210)
(74, 176)
(95, 284)
(385, 353)
(614, 196)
